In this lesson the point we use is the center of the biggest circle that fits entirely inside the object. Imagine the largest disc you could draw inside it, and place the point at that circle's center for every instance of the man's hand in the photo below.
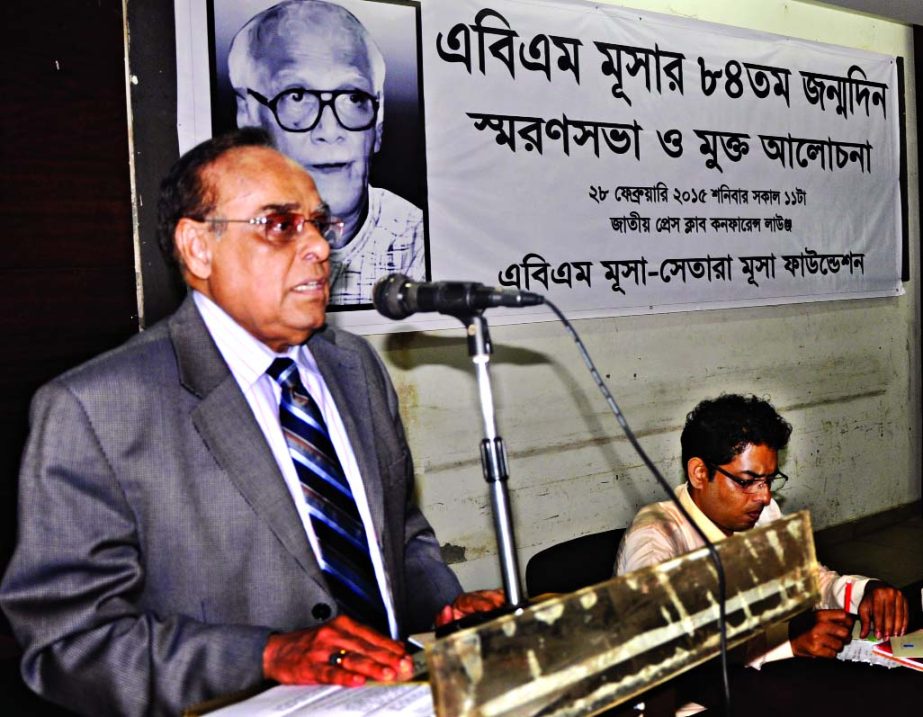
(821, 633)
(340, 652)
(886, 607)
(468, 603)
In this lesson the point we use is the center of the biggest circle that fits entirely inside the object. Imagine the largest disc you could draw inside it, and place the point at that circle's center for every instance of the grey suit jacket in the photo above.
(158, 546)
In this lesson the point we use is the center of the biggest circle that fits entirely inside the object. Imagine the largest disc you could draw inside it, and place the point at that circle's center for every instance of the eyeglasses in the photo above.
(298, 110)
(284, 227)
(773, 482)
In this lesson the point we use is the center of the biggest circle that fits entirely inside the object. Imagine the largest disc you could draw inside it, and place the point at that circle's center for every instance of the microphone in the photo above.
(396, 297)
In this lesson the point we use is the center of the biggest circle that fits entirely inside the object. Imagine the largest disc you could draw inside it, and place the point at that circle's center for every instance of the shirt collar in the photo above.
(712, 531)
(246, 356)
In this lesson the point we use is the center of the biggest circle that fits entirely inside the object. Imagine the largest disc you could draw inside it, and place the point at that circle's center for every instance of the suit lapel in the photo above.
(348, 385)
(225, 422)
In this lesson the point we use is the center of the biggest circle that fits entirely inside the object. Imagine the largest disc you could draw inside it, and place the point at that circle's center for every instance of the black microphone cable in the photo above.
(629, 434)
(464, 297)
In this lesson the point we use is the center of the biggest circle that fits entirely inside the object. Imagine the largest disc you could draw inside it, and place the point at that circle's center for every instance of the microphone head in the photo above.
(389, 298)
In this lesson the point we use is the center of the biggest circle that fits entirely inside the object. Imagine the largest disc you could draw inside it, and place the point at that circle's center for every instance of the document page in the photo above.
(377, 700)
(859, 650)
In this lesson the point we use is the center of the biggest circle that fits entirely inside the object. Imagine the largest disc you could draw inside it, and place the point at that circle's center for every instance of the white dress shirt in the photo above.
(248, 359)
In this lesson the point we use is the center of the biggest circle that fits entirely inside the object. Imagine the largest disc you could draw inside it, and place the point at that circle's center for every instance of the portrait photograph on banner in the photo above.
(338, 87)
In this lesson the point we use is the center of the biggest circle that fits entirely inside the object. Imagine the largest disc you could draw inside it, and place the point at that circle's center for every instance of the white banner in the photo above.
(624, 162)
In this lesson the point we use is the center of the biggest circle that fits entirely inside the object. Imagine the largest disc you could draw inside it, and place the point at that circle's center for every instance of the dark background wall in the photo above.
(67, 270)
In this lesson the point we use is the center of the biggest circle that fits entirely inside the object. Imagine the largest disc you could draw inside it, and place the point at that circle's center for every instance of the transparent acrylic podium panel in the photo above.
(579, 653)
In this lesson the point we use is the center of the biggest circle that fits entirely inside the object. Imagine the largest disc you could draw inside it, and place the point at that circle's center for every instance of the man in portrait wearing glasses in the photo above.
(730, 452)
(310, 74)
(225, 500)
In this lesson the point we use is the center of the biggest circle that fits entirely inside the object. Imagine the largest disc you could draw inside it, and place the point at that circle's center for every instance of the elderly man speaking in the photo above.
(309, 73)
(226, 499)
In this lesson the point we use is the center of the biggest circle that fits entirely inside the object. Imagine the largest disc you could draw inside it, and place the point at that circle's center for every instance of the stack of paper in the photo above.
(412, 699)
(862, 650)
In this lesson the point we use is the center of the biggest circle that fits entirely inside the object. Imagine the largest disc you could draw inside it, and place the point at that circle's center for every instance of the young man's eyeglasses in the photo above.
(298, 109)
(285, 227)
(773, 482)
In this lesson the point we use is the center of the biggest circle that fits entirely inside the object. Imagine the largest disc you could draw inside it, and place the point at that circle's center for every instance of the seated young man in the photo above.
(730, 451)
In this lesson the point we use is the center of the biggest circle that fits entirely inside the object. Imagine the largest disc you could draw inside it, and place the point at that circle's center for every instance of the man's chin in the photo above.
(310, 317)
(342, 194)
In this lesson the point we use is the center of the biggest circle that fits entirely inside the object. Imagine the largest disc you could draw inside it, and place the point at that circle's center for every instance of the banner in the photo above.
(624, 162)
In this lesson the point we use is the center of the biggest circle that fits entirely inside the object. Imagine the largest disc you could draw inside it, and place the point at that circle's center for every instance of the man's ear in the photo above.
(379, 123)
(379, 131)
(193, 244)
(247, 114)
(697, 473)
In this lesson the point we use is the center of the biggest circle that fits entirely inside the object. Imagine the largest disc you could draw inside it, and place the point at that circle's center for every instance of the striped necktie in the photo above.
(342, 541)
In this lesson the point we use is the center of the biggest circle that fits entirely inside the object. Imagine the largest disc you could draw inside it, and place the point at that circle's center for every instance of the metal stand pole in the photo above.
(493, 459)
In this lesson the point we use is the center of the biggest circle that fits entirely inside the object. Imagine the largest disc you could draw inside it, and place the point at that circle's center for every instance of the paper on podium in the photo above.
(580, 653)
(374, 700)
(862, 650)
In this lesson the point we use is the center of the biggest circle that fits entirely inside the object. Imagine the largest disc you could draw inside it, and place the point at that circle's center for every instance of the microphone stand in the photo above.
(493, 463)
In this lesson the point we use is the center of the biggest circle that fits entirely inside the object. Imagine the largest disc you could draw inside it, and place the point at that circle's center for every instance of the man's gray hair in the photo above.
(284, 20)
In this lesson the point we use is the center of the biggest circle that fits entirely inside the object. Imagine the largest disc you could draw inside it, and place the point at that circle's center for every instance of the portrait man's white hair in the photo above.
(291, 18)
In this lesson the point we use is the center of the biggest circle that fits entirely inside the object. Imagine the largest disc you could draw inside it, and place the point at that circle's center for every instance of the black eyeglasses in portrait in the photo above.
(299, 110)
